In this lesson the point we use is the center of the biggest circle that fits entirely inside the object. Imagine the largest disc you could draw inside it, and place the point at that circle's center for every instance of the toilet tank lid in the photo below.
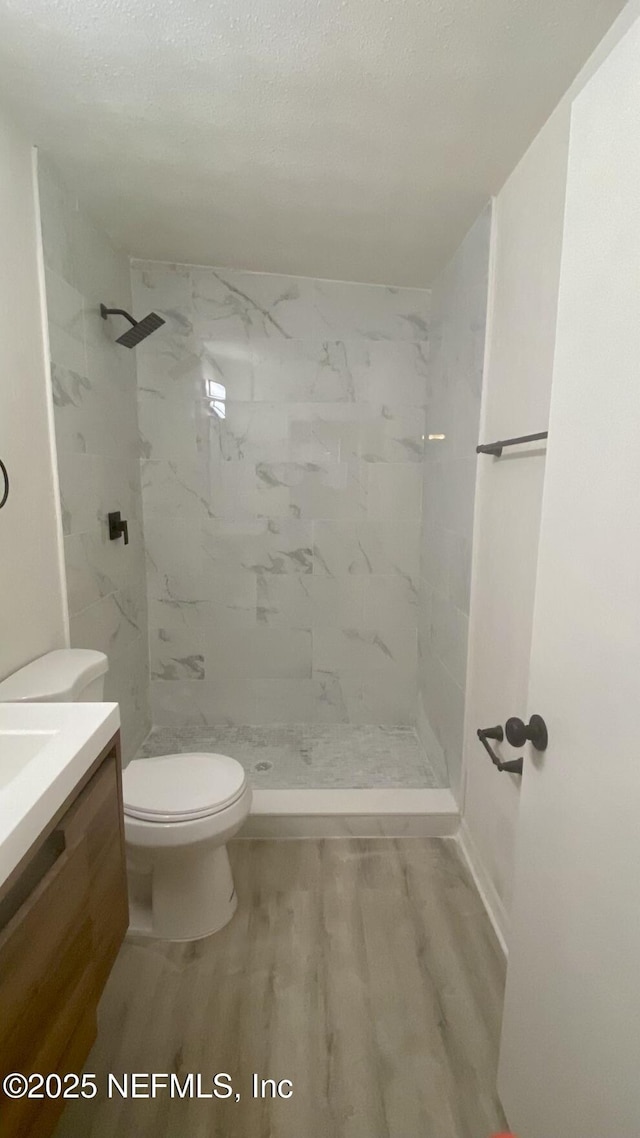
(60, 676)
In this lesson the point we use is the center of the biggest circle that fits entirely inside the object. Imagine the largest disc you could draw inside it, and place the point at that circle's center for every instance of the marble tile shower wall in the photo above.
(95, 413)
(282, 426)
(459, 310)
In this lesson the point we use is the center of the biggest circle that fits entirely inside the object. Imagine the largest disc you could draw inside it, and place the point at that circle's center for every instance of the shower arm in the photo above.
(104, 312)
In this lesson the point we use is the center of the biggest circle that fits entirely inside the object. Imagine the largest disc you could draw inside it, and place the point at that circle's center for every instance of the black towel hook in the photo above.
(5, 492)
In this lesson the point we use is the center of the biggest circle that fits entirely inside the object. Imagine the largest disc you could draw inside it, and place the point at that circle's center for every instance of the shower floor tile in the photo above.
(308, 757)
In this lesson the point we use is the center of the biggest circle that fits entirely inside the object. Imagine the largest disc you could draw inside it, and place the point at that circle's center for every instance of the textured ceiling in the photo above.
(355, 139)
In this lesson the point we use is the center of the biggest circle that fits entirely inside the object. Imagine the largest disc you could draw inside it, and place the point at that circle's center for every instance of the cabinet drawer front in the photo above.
(61, 923)
(96, 817)
(45, 953)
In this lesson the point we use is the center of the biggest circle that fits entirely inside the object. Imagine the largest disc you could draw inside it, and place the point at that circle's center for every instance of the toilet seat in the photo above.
(181, 788)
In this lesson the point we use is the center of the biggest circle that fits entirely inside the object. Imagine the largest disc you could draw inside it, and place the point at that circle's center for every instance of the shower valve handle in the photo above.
(118, 527)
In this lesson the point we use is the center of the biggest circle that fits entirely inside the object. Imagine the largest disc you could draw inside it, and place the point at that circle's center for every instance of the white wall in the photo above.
(32, 608)
(523, 293)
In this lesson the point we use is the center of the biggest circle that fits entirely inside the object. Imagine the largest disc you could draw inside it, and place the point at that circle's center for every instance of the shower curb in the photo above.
(382, 813)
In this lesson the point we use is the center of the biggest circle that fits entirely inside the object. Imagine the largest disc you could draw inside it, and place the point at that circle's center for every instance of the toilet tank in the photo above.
(68, 675)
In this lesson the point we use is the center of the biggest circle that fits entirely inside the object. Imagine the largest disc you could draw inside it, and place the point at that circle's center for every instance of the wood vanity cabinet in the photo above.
(63, 915)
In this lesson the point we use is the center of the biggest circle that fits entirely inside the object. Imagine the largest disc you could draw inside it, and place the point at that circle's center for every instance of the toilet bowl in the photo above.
(179, 811)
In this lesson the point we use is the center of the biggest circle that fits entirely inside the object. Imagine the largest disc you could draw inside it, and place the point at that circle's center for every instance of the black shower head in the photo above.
(139, 330)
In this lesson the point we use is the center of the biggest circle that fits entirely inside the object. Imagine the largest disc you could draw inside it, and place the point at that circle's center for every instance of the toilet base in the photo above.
(180, 894)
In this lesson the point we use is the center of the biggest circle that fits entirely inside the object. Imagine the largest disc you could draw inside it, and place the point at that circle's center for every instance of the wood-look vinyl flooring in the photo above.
(365, 971)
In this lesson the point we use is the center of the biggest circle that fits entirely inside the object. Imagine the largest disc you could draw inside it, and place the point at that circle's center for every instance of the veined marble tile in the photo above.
(433, 558)
(448, 636)
(333, 431)
(388, 372)
(161, 286)
(335, 697)
(192, 703)
(337, 602)
(387, 546)
(272, 484)
(67, 351)
(86, 583)
(226, 369)
(108, 626)
(391, 545)
(127, 683)
(174, 488)
(168, 426)
(372, 311)
(259, 546)
(393, 433)
(461, 494)
(75, 404)
(457, 553)
(281, 432)
(390, 602)
(362, 651)
(335, 490)
(175, 561)
(120, 484)
(171, 365)
(443, 702)
(259, 305)
(259, 653)
(302, 371)
(238, 305)
(434, 512)
(394, 489)
(294, 392)
(255, 432)
(64, 307)
(369, 432)
(281, 701)
(80, 492)
(97, 566)
(176, 614)
(285, 600)
(338, 550)
(234, 603)
(176, 654)
(132, 601)
(235, 492)
(389, 697)
(95, 413)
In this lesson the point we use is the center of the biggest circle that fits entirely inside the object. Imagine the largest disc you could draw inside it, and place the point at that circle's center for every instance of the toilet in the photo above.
(179, 811)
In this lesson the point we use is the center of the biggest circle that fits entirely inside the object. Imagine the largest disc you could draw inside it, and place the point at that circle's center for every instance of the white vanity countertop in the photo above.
(45, 749)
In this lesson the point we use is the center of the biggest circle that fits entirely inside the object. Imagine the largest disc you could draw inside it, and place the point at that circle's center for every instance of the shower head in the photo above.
(139, 330)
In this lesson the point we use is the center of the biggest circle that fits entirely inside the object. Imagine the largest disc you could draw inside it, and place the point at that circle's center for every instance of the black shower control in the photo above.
(118, 527)
(534, 732)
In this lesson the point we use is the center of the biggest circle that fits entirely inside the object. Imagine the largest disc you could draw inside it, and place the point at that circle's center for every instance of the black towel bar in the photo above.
(496, 448)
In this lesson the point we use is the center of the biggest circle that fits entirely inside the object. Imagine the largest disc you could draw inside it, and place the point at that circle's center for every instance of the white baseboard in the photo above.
(352, 813)
(490, 898)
